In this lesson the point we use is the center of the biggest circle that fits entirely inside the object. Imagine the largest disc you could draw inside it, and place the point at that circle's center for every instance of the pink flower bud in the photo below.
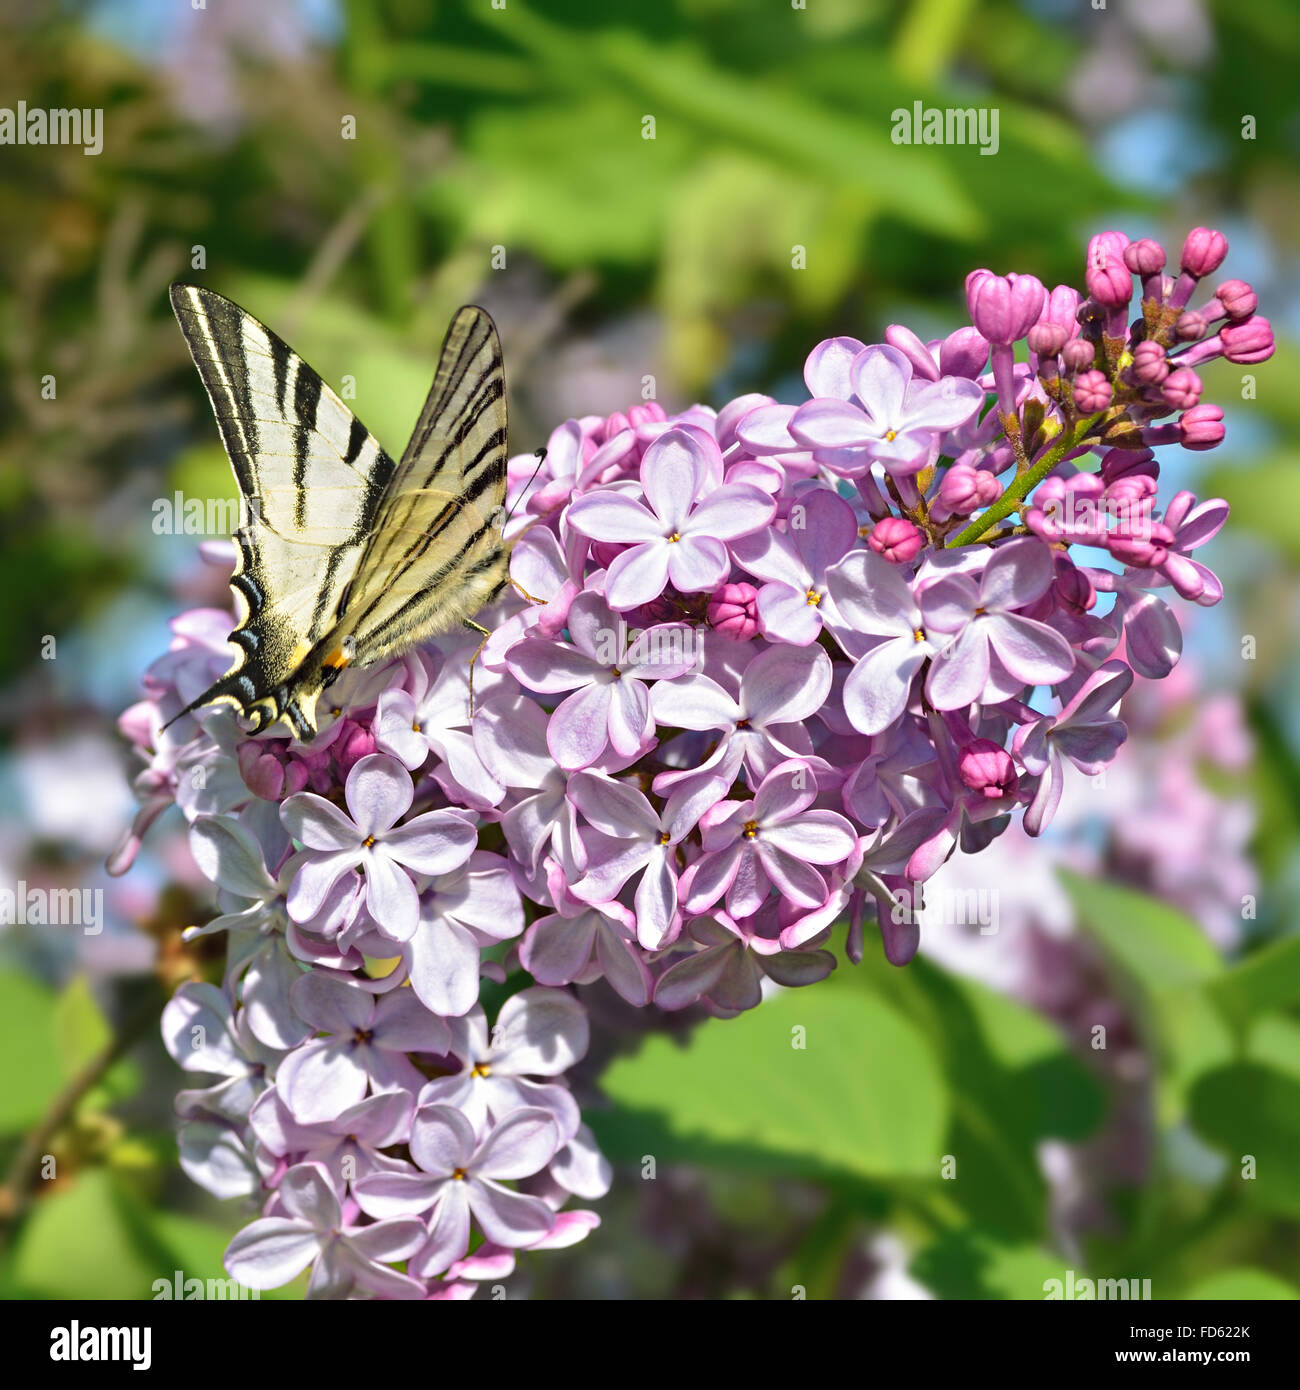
(1104, 248)
(1004, 307)
(1124, 463)
(652, 413)
(1191, 326)
(1150, 365)
(1203, 252)
(1047, 339)
(1078, 355)
(137, 723)
(1145, 257)
(265, 774)
(614, 426)
(733, 611)
(1201, 427)
(1182, 388)
(1110, 282)
(1144, 547)
(1131, 491)
(988, 769)
(965, 489)
(923, 364)
(1062, 308)
(356, 742)
(896, 539)
(1251, 340)
(964, 353)
(1237, 299)
(1092, 392)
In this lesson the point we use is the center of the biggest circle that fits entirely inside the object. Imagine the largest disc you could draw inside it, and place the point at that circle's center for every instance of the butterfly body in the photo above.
(344, 556)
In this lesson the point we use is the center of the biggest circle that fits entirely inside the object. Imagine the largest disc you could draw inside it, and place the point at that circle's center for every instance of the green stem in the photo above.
(1020, 487)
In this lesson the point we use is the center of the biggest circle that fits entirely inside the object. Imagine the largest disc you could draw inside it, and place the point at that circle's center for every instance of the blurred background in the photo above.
(498, 157)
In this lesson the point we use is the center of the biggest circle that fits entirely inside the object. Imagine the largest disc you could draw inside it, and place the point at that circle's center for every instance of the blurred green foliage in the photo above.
(920, 1098)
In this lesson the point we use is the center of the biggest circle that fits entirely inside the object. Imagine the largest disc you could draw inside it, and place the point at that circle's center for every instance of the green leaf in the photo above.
(1012, 1080)
(967, 1264)
(81, 1032)
(88, 1239)
(1276, 788)
(1251, 1110)
(1153, 943)
(1193, 1039)
(93, 1238)
(785, 124)
(1268, 979)
(573, 212)
(1247, 1284)
(929, 32)
(1275, 1042)
(862, 1097)
(27, 1031)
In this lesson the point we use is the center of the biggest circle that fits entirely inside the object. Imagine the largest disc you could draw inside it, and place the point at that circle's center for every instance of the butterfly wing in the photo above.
(311, 480)
(436, 555)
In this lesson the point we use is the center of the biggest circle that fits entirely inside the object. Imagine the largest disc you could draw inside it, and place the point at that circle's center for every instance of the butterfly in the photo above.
(346, 558)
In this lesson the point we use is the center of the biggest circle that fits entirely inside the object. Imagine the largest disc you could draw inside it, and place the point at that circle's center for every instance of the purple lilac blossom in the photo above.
(763, 669)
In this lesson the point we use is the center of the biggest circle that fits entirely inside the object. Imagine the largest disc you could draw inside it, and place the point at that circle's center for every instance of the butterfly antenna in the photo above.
(540, 455)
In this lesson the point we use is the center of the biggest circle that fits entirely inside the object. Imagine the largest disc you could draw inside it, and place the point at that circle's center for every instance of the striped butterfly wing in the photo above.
(436, 554)
(311, 481)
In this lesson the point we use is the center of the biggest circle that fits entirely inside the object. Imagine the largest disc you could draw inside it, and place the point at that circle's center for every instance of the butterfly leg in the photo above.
(478, 627)
(515, 584)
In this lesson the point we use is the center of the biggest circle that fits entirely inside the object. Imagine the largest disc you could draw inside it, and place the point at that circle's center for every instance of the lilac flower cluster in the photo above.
(767, 669)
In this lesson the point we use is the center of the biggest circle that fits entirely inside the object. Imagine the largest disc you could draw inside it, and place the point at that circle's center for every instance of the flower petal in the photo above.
(877, 689)
(518, 1146)
(613, 516)
(379, 792)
